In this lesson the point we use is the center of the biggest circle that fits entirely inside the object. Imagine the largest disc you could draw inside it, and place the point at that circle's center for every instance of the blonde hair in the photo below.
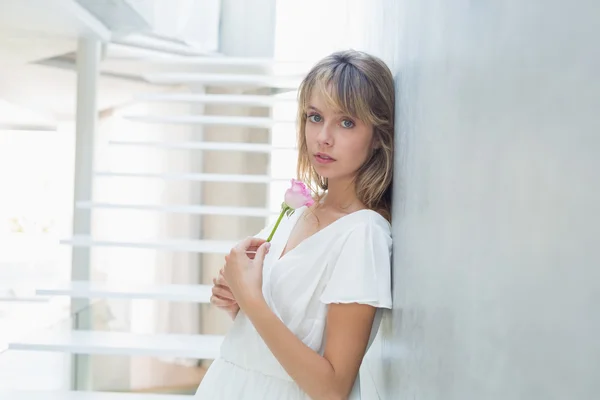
(360, 86)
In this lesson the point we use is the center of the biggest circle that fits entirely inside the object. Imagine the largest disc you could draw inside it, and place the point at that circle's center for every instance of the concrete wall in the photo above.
(496, 227)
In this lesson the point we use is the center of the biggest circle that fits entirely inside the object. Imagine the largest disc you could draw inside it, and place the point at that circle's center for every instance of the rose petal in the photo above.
(298, 195)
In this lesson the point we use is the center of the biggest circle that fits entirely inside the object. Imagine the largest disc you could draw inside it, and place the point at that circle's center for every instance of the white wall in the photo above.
(193, 21)
(496, 221)
(247, 28)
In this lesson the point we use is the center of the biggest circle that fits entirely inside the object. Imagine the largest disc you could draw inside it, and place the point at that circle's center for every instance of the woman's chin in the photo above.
(323, 171)
(326, 171)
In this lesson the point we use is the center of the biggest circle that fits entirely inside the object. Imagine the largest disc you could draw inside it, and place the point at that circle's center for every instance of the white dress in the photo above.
(346, 262)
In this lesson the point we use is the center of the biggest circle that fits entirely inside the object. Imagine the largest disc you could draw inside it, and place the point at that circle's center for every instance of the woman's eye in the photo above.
(346, 123)
(316, 118)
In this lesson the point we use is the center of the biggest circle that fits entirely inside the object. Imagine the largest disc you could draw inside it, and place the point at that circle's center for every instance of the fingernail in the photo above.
(268, 245)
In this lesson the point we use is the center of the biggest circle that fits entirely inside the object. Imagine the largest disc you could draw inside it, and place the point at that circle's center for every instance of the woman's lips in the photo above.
(323, 158)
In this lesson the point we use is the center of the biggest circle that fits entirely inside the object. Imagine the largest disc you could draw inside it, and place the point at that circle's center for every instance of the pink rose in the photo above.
(298, 195)
(295, 197)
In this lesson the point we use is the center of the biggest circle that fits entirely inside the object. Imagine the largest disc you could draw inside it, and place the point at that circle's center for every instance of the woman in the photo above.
(305, 305)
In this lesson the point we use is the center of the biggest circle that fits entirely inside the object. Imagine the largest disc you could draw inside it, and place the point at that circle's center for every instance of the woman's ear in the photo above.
(376, 145)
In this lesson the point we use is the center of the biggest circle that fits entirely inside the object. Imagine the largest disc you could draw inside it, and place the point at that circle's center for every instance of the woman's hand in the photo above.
(243, 273)
(222, 297)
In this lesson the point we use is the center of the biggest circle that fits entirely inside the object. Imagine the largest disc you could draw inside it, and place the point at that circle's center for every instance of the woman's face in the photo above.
(338, 145)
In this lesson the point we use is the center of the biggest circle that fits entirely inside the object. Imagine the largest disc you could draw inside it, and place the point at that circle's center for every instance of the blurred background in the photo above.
(140, 139)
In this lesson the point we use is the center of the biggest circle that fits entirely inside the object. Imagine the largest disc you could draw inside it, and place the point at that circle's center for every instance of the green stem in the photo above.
(283, 210)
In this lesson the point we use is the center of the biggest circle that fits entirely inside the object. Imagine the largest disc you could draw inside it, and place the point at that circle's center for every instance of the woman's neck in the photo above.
(341, 195)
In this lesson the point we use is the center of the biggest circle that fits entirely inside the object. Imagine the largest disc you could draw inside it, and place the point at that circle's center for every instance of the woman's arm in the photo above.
(327, 377)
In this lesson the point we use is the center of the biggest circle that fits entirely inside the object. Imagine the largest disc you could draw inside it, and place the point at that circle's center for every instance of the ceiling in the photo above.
(39, 40)
(34, 33)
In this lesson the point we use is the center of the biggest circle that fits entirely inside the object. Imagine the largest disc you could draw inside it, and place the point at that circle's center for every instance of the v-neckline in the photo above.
(284, 253)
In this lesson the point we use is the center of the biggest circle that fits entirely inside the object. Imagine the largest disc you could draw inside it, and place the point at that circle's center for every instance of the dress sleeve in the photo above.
(361, 270)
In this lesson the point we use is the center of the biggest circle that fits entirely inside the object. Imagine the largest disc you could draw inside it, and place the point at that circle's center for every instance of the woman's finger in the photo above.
(219, 302)
(217, 297)
(221, 281)
(223, 287)
(251, 252)
(220, 287)
(223, 293)
(248, 243)
(251, 249)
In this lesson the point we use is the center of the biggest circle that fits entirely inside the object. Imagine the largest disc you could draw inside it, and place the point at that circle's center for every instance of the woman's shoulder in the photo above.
(363, 231)
(369, 219)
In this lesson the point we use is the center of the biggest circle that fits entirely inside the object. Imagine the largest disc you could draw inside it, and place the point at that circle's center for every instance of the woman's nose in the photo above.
(325, 135)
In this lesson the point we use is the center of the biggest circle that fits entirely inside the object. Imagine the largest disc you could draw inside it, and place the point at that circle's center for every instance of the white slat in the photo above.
(253, 122)
(19, 290)
(88, 290)
(238, 178)
(219, 146)
(227, 61)
(205, 347)
(223, 79)
(8, 126)
(151, 44)
(23, 299)
(182, 209)
(121, 56)
(122, 59)
(229, 99)
(82, 395)
(191, 246)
